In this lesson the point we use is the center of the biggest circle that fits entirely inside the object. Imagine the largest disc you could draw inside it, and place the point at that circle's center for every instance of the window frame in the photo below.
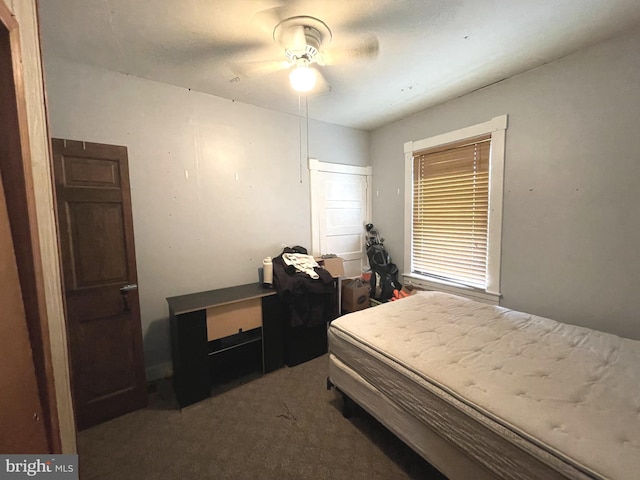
(496, 127)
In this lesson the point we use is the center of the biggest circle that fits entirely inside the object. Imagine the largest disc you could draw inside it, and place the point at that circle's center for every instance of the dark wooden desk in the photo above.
(215, 331)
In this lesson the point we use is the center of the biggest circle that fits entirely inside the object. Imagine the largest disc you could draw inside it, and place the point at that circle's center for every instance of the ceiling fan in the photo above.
(305, 41)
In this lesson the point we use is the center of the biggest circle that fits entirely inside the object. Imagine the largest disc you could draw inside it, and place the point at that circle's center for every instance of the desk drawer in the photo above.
(232, 318)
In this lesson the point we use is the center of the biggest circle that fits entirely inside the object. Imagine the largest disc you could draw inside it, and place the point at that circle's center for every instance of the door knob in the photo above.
(127, 288)
(124, 291)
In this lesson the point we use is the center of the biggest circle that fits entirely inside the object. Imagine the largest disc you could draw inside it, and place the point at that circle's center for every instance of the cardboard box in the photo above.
(333, 265)
(355, 295)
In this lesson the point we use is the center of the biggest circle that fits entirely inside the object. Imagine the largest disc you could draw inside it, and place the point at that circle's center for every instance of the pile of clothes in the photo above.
(306, 288)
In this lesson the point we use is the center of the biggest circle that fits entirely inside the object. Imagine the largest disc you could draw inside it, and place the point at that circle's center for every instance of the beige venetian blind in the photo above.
(451, 211)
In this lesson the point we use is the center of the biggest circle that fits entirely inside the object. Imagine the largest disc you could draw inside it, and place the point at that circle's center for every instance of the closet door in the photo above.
(340, 208)
(100, 280)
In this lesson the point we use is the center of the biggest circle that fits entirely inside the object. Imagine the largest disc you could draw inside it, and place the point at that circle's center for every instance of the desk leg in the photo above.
(190, 348)
(272, 333)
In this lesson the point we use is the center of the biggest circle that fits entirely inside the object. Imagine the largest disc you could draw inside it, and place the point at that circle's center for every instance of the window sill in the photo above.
(442, 286)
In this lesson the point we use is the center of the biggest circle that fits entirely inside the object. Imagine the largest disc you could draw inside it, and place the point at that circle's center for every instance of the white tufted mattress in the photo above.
(513, 390)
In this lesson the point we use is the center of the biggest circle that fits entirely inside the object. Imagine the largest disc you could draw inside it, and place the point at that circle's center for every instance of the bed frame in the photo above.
(445, 430)
(448, 459)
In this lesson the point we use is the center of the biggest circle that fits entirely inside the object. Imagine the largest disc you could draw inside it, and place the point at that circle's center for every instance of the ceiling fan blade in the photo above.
(393, 15)
(192, 52)
(299, 40)
(322, 86)
(292, 38)
(267, 19)
(364, 50)
(254, 69)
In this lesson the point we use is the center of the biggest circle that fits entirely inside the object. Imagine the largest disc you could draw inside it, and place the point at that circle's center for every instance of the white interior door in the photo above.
(340, 208)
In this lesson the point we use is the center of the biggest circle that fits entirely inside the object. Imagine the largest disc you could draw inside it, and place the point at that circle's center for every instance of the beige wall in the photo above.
(25, 13)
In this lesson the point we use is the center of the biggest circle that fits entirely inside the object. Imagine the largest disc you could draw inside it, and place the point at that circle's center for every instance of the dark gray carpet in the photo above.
(283, 425)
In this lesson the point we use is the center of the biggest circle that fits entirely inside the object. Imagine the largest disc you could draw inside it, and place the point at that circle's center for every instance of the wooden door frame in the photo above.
(19, 192)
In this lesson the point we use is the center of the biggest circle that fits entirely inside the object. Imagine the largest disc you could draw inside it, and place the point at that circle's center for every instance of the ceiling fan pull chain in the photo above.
(306, 104)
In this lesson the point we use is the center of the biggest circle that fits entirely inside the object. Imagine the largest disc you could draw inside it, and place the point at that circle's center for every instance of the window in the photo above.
(451, 211)
(454, 210)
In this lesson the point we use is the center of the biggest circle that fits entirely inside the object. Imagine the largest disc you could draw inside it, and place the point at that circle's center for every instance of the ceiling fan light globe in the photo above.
(303, 79)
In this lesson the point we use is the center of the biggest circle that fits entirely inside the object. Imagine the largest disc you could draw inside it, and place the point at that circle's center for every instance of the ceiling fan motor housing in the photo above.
(290, 31)
(309, 53)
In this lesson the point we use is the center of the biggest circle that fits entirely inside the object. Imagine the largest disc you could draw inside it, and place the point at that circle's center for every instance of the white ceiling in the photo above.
(430, 50)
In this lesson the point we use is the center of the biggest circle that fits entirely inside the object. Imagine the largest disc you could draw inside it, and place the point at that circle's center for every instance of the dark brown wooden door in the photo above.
(100, 280)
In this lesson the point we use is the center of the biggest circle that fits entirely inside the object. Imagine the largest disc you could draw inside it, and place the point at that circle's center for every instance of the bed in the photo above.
(481, 391)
